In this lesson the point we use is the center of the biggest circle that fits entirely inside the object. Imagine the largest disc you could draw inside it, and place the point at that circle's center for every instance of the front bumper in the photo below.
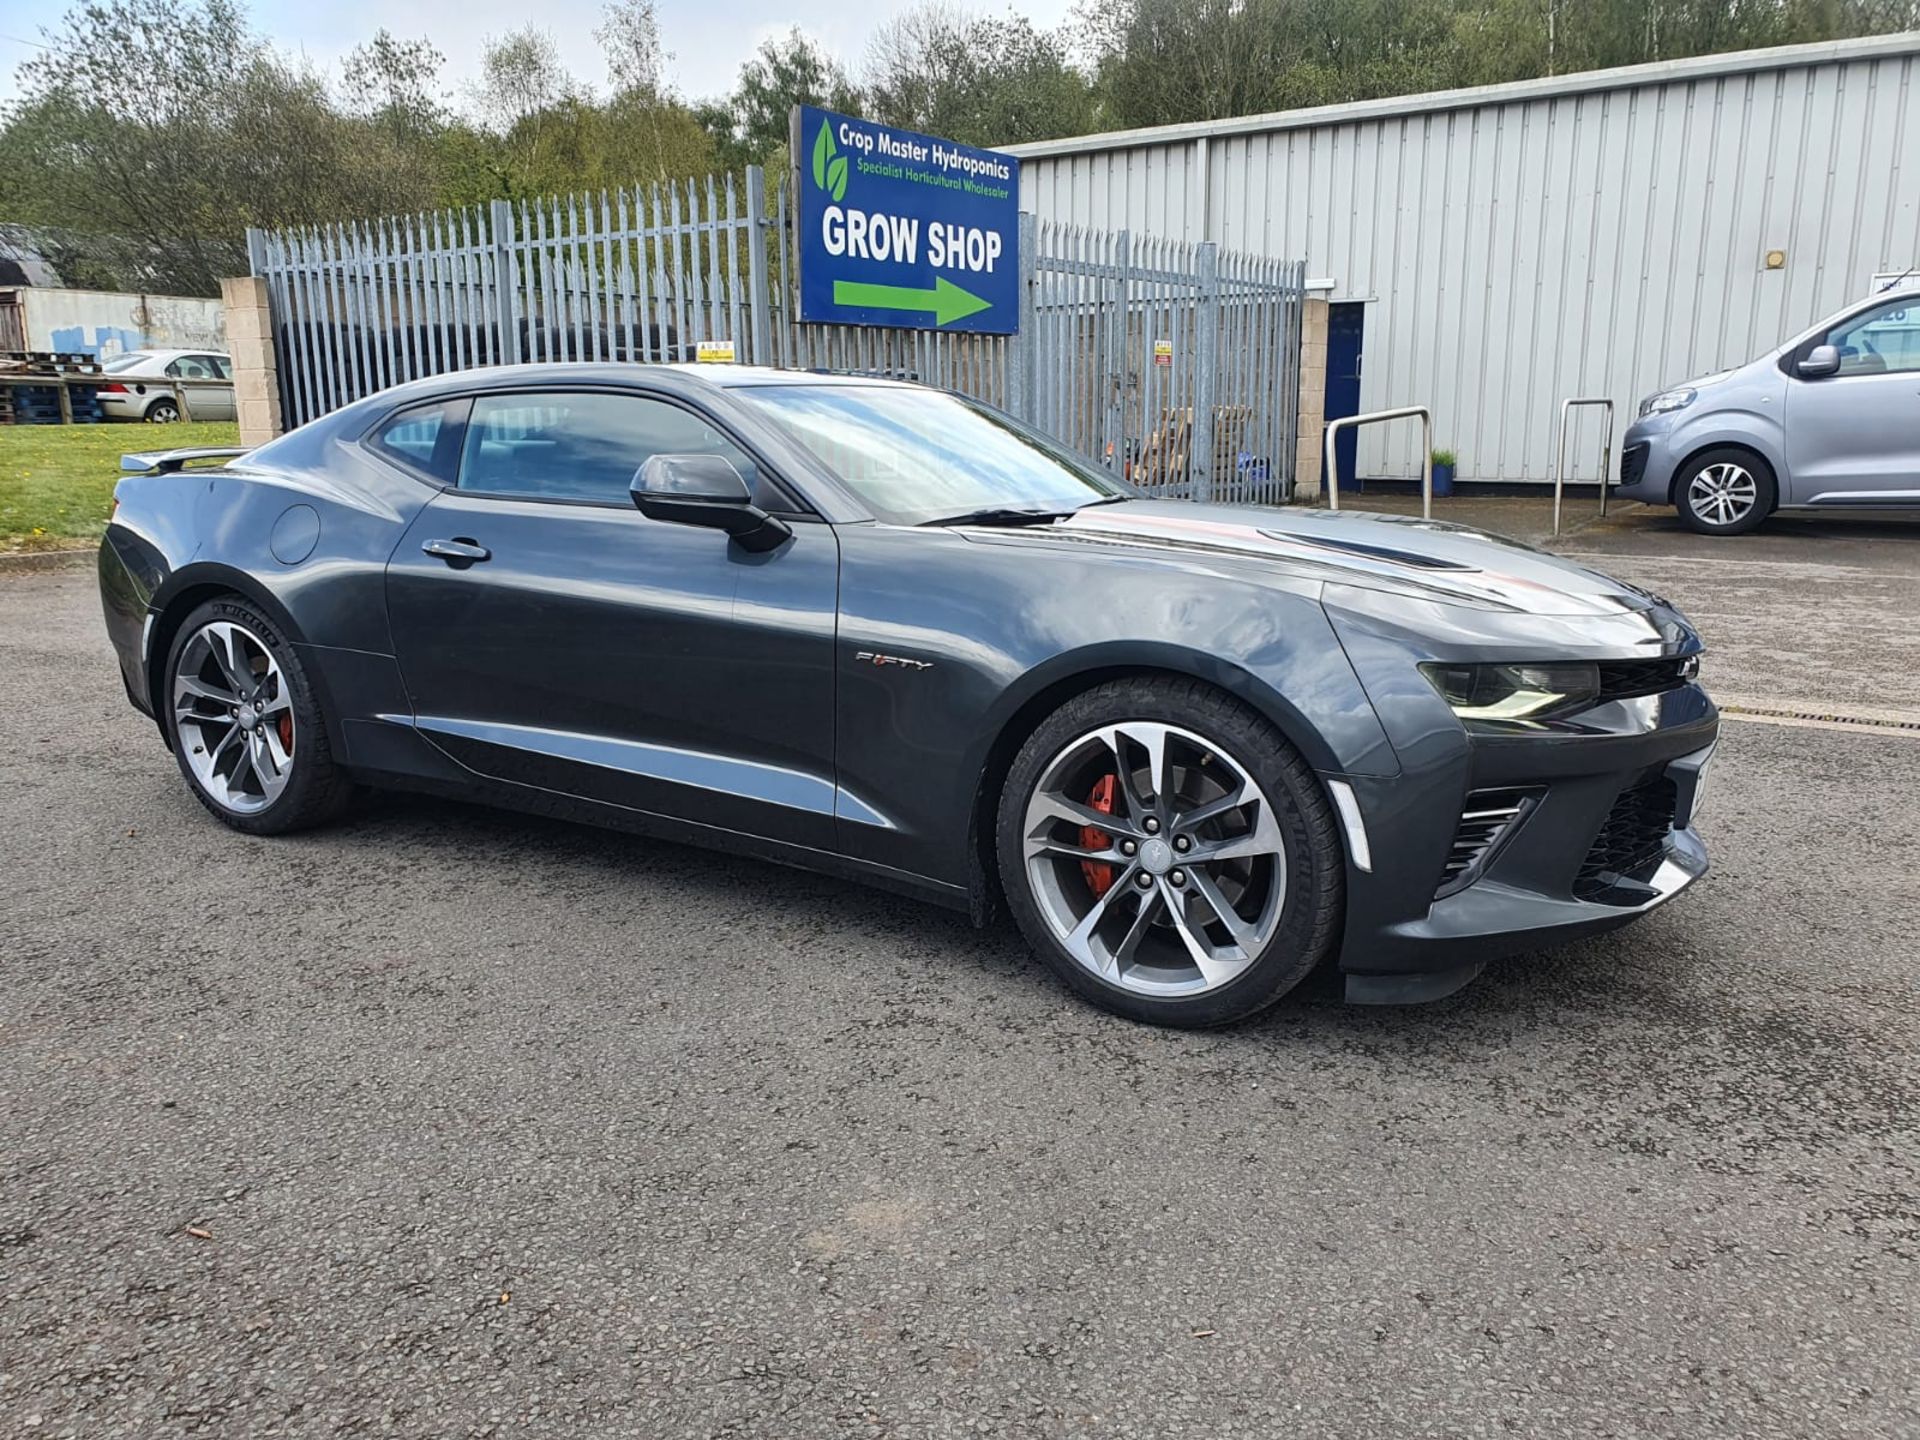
(1648, 461)
(1593, 814)
(1555, 874)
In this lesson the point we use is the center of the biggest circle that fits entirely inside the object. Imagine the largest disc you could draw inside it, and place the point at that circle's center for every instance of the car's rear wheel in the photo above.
(246, 725)
(1168, 854)
(1726, 491)
(164, 411)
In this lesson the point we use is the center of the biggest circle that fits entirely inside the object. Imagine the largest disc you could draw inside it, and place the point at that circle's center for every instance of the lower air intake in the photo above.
(1487, 819)
(1631, 844)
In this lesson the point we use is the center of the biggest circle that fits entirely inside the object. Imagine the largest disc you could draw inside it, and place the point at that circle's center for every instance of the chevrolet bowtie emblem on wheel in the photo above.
(874, 657)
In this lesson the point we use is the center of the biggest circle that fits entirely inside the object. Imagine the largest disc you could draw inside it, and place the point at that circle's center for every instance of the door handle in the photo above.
(458, 552)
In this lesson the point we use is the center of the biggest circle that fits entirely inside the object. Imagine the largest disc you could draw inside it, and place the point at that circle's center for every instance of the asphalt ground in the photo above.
(442, 1122)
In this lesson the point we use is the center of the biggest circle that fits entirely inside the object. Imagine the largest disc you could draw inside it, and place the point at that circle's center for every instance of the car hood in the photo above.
(1699, 382)
(1425, 559)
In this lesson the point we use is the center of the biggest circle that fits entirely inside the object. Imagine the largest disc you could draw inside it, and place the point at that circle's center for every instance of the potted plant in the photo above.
(1443, 462)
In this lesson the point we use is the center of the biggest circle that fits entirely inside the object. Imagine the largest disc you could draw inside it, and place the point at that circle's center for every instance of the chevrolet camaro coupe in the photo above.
(885, 631)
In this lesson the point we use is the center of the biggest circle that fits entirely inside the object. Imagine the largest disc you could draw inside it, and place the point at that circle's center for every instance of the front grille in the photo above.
(1487, 819)
(1633, 463)
(1625, 679)
(1630, 845)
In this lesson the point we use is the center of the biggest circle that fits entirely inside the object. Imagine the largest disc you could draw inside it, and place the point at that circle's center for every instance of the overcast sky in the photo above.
(708, 39)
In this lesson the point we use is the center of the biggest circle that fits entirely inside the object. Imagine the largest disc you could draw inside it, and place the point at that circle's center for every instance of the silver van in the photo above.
(1829, 420)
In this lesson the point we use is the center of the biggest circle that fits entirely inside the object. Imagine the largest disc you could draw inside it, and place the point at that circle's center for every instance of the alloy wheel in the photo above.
(233, 715)
(1723, 493)
(1155, 858)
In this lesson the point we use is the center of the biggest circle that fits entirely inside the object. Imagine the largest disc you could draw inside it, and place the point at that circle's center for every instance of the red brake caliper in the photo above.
(1099, 874)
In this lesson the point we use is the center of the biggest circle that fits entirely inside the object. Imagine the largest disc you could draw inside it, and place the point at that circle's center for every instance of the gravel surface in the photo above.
(442, 1122)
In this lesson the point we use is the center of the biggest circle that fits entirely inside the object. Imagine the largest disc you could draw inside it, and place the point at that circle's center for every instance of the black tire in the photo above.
(1312, 900)
(164, 411)
(317, 789)
(1732, 471)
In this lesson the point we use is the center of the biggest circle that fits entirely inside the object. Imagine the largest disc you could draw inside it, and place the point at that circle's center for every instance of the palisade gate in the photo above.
(1176, 365)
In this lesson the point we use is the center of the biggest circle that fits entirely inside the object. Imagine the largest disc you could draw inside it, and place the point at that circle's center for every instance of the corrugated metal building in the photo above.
(1509, 246)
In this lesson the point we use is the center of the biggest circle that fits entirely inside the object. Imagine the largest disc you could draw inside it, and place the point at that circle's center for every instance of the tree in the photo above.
(170, 123)
(750, 125)
(983, 81)
(175, 126)
(521, 76)
(629, 33)
(396, 82)
(1161, 62)
(542, 132)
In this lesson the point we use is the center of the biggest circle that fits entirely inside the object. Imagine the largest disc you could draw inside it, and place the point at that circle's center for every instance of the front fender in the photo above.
(1309, 692)
(1751, 426)
(995, 635)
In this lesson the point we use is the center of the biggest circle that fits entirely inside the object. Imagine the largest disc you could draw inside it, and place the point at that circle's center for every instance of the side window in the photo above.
(425, 438)
(218, 366)
(192, 367)
(577, 445)
(1885, 338)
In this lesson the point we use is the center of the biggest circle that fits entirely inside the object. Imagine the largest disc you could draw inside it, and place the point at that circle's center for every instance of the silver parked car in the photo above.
(162, 386)
(1830, 419)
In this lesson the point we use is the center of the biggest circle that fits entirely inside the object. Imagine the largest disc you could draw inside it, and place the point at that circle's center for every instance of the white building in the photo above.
(1500, 249)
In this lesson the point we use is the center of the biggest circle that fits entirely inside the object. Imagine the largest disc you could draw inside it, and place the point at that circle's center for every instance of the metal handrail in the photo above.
(1332, 478)
(1560, 454)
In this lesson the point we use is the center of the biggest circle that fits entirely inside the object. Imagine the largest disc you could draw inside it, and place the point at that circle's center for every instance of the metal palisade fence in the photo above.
(1175, 364)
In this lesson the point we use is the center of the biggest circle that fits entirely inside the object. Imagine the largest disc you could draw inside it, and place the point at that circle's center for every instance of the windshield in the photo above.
(126, 361)
(916, 456)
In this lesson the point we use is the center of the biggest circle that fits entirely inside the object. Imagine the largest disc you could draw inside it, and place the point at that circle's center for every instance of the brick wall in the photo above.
(256, 374)
(1313, 396)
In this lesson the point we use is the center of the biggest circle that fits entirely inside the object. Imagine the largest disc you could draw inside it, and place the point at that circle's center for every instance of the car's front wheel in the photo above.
(1168, 854)
(246, 725)
(1726, 491)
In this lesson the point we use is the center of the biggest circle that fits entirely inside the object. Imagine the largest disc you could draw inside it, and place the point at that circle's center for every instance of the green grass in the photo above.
(56, 481)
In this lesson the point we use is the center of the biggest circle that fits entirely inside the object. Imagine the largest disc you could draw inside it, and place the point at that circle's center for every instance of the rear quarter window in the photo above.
(424, 439)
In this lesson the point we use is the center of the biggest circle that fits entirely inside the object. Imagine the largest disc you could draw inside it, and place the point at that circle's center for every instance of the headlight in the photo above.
(1515, 692)
(1668, 400)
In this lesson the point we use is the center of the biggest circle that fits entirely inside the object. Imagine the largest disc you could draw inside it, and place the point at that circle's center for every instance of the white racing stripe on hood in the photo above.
(1440, 562)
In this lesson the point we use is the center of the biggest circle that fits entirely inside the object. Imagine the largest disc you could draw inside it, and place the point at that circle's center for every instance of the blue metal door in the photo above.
(1346, 333)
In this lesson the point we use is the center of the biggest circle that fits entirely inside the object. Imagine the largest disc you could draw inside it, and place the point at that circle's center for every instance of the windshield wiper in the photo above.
(1000, 515)
(1011, 515)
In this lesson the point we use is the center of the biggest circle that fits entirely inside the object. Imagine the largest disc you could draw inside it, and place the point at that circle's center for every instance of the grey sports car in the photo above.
(885, 631)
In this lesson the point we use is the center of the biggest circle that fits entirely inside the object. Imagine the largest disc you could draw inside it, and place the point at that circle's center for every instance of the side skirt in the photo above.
(531, 800)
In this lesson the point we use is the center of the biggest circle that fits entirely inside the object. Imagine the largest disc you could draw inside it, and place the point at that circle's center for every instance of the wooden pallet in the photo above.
(47, 362)
(61, 400)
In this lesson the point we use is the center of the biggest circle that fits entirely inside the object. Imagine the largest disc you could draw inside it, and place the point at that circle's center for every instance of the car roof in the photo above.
(150, 352)
(685, 379)
(735, 377)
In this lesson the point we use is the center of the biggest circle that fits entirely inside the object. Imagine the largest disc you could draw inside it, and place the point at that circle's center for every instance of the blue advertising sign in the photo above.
(905, 230)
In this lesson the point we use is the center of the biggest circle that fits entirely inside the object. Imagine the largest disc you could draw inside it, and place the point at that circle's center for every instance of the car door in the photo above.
(550, 636)
(1853, 437)
(205, 394)
(222, 396)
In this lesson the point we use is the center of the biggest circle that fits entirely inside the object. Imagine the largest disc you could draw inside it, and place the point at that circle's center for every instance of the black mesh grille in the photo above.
(1486, 819)
(1624, 679)
(1633, 464)
(1630, 844)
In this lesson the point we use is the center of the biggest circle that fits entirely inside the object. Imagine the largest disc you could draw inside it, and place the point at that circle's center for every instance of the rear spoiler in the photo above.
(166, 462)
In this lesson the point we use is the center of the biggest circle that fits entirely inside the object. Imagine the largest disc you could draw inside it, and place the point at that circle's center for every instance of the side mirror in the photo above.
(705, 490)
(1821, 360)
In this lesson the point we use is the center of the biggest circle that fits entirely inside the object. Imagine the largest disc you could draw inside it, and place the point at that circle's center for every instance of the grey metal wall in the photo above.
(1596, 234)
